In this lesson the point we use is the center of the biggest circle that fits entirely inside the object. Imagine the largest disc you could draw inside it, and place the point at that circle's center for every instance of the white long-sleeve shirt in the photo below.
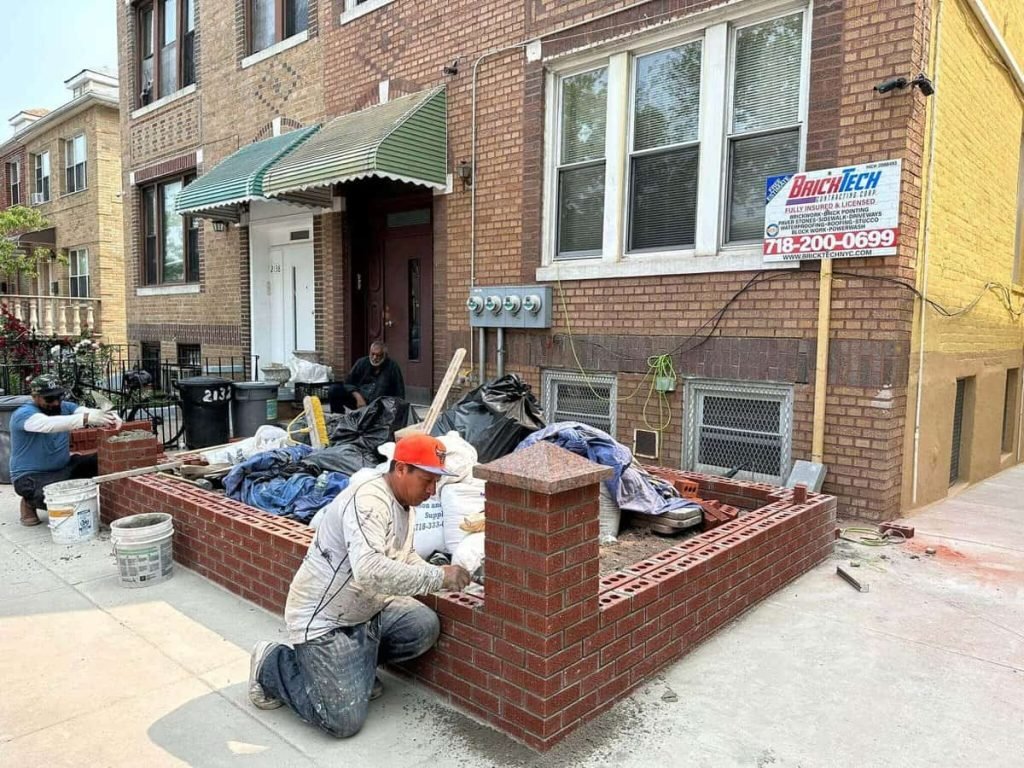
(360, 557)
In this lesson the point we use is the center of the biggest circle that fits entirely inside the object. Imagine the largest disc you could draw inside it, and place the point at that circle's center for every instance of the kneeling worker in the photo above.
(350, 605)
(40, 445)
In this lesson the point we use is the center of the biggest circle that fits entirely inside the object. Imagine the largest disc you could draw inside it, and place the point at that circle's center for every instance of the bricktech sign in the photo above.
(839, 213)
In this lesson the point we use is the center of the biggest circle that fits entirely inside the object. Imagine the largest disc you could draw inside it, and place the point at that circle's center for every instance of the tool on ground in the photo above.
(849, 579)
(439, 399)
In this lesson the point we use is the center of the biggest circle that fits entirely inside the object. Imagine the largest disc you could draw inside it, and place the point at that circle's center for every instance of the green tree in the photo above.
(15, 258)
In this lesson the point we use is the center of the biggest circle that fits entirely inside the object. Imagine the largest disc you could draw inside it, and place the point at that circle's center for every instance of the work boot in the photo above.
(257, 695)
(28, 514)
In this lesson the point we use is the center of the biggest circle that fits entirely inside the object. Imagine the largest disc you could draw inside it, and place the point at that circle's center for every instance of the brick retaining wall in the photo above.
(552, 644)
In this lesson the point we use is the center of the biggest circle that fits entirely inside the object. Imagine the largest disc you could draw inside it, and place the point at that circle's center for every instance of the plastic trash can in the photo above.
(205, 406)
(253, 404)
(8, 405)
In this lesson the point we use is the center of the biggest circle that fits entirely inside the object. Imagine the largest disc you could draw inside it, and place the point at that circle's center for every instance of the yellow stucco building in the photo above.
(964, 412)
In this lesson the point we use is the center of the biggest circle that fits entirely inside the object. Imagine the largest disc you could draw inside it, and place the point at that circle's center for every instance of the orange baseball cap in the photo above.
(424, 452)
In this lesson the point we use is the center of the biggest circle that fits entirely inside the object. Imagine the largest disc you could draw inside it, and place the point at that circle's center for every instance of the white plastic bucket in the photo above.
(143, 547)
(74, 510)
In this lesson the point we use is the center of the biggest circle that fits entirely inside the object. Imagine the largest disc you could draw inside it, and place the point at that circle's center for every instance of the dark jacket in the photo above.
(383, 381)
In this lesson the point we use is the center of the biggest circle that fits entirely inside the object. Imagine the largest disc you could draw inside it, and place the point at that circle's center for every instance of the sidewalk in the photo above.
(925, 669)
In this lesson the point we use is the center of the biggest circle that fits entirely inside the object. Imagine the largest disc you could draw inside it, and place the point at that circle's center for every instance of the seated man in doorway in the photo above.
(350, 605)
(373, 376)
(40, 444)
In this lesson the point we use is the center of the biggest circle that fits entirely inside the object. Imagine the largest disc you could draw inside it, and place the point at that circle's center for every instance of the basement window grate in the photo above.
(570, 396)
(958, 426)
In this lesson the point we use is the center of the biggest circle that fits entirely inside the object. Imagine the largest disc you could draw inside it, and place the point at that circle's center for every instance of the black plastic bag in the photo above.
(369, 426)
(494, 418)
(347, 458)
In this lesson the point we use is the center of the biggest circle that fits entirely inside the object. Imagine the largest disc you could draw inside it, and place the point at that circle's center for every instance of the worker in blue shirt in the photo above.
(40, 444)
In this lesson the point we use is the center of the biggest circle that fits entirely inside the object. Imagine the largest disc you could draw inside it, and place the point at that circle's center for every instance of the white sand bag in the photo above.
(457, 501)
(428, 530)
(608, 516)
(470, 552)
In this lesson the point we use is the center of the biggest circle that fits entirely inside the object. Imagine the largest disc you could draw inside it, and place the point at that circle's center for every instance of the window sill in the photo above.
(167, 290)
(188, 90)
(361, 10)
(76, 192)
(655, 264)
(275, 49)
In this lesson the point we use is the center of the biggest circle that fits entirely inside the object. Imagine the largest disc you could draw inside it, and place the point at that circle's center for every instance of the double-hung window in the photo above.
(42, 176)
(271, 21)
(14, 183)
(170, 241)
(78, 273)
(166, 46)
(76, 177)
(658, 154)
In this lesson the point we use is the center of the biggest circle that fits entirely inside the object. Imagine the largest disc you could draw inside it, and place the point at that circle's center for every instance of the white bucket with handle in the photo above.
(144, 548)
(74, 510)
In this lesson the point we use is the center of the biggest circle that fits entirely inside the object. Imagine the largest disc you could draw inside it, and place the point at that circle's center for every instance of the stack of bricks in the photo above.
(551, 645)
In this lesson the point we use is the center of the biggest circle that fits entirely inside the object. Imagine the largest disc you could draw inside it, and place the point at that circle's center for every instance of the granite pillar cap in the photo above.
(543, 468)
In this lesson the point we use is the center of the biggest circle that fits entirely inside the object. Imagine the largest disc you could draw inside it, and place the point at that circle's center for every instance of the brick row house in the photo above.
(66, 164)
(316, 174)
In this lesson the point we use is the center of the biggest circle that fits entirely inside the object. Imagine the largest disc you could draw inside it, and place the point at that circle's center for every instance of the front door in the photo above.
(291, 323)
(400, 296)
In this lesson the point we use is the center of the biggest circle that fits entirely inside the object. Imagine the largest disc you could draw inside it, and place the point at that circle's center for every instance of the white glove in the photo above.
(94, 417)
(117, 419)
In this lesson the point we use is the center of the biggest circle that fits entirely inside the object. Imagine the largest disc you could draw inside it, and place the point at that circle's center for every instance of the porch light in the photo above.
(465, 169)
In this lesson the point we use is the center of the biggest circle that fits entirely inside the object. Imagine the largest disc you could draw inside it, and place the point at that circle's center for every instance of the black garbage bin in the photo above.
(253, 404)
(205, 404)
(8, 405)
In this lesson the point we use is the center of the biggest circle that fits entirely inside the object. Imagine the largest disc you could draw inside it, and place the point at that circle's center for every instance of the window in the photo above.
(75, 177)
(739, 425)
(170, 241)
(14, 183)
(271, 21)
(149, 352)
(664, 150)
(958, 452)
(166, 47)
(571, 396)
(190, 355)
(1010, 410)
(78, 273)
(42, 176)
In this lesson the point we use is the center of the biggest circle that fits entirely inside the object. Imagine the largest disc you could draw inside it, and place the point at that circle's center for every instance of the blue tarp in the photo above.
(633, 489)
(275, 482)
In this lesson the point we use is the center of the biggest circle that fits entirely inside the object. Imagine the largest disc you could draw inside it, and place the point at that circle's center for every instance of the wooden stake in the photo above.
(442, 394)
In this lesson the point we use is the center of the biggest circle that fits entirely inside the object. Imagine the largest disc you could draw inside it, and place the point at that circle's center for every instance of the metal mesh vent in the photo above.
(646, 444)
(732, 425)
(958, 424)
(573, 397)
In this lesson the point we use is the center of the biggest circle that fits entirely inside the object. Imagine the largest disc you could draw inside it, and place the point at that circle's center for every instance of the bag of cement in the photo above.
(461, 459)
(267, 438)
(608, 516)
(428, 532)
(458, 500)
(470, 552)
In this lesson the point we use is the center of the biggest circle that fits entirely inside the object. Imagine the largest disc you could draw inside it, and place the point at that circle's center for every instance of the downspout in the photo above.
(500, 352)
(821, 363)
(925, 224)
(483, 355)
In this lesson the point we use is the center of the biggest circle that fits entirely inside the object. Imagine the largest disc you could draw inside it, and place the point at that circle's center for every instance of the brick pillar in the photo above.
(542, 564)
(116, 452)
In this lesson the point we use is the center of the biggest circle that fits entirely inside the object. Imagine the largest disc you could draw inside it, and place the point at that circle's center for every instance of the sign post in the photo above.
(837, 213)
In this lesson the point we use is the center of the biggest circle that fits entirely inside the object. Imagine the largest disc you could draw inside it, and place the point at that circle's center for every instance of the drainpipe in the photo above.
(500, 352)
(821, 363)
(483, 355)
(926, 242)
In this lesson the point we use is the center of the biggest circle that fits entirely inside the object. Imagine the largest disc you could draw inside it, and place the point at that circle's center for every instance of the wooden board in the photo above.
(439, 399)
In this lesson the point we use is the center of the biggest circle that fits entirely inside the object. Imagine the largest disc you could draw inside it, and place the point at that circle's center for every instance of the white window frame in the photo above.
(76, 258)
(717, 28)
(71, 161)
(38, 176)
(551, 378)
(354, 10)
(693, 396)
(14, 182)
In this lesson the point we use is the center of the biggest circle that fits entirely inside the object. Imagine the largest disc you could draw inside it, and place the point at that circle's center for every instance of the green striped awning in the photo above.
(238, 178)
(405, 139)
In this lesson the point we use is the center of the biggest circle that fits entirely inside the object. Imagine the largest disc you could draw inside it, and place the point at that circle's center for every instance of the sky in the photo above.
(44, 43)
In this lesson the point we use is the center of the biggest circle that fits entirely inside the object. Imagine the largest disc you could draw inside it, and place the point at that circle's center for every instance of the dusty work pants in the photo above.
(327, 681)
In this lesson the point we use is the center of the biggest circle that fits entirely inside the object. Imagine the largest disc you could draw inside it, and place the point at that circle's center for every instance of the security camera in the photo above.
(921, 81)
(891, 85)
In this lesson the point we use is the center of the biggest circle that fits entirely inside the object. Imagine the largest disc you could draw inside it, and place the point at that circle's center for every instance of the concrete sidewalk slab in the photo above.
(925, 669)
